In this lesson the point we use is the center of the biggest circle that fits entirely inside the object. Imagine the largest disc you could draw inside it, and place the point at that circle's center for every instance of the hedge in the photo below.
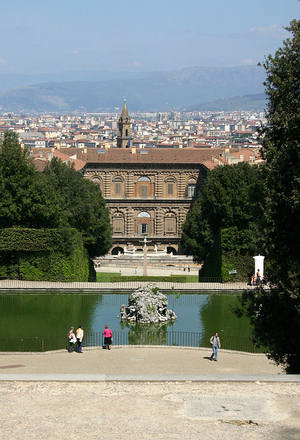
(43, 255)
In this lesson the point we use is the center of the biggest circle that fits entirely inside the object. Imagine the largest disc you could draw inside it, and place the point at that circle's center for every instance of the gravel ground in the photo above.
(146, 411)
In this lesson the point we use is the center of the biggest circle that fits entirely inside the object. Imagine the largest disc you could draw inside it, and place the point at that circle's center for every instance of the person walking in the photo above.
(71, 340)
(107, 337)
(79, 338)
(216, 344)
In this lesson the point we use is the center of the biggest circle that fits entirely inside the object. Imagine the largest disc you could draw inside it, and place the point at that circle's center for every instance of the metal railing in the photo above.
(132, 336)
(19, 285)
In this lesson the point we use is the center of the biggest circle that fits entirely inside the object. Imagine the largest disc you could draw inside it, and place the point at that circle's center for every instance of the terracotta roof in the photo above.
(155, 155)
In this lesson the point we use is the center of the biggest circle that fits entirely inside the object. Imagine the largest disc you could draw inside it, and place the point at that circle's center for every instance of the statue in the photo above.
(147, 305)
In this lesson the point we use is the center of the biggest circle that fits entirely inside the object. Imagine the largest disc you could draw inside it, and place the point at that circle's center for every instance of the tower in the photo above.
(124, 126)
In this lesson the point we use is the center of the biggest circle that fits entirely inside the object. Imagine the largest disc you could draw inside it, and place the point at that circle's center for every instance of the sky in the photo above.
(49, 36)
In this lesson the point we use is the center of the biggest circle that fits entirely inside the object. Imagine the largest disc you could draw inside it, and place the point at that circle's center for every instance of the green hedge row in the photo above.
(26, 239)
(59, 255)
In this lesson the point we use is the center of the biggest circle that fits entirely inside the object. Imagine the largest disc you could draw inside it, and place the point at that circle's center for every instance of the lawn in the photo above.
(108, 277)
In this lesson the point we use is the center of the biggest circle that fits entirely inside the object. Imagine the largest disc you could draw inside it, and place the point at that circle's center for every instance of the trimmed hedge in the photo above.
(26, 239)
(43, 255)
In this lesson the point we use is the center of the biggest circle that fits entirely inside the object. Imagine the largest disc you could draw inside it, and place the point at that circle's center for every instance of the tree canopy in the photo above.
(276, 314)
(57, 198)
(26, 199)
(82, 206)
(231, 196)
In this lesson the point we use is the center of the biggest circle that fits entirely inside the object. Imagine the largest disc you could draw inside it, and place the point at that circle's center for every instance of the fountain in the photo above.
(147, 305)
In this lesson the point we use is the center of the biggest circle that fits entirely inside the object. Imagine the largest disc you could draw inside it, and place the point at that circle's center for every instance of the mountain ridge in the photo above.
(152, 91)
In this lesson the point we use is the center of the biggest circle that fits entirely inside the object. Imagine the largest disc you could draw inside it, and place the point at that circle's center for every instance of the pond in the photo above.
(35, 322)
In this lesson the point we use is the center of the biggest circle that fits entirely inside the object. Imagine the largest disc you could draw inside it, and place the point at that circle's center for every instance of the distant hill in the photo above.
(154, 91)
(255, 102)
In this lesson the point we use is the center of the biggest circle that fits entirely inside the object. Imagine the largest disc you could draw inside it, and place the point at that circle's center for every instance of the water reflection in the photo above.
(49, 316)
(41, 315)
(152, 334)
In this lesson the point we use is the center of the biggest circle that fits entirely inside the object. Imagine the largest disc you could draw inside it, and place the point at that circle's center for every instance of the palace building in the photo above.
(148, 191)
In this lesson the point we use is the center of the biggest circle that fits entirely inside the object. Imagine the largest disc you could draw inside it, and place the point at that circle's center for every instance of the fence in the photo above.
(40, 286)
(132, 337)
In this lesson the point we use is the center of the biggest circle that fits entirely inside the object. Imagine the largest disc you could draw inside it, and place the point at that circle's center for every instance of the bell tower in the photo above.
(124, 126)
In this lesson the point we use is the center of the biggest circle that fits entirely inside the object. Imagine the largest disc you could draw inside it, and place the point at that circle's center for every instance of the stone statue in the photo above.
(147, 305)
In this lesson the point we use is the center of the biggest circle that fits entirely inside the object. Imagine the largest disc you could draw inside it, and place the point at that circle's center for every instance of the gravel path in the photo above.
(108, 411)
(165, 410)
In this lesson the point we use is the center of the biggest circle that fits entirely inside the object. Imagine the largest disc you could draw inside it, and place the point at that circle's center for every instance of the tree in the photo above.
(276, 313)
(26, 199)
(231, 197)
(81, 206)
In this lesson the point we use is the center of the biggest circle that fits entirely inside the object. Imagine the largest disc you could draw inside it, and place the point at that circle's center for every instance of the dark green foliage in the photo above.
(38, 212)
(43, 254)
(82, 206)
(26, 198)
(33, 240)
(276, 314)
(228, 252)
(221, 227)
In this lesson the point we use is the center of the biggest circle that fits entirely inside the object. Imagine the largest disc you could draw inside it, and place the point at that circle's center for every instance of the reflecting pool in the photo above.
(41, 321)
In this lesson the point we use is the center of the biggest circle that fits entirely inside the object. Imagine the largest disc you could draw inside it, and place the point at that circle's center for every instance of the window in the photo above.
(118, 224)
(191, 190)
(170, 225)
(97, 181)
(144, 214)
(144, 179)
(144, 191)
(117, 187)
(144, 228)
(170, 186)
(170, 189)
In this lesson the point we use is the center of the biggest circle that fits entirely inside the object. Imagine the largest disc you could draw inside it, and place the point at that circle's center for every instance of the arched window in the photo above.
(118, 186)
(118, 223)
(191, 188)
(98, 182)
(170, 223)
(170, 186)
(143, 222)
(144, 187)
(144, 214)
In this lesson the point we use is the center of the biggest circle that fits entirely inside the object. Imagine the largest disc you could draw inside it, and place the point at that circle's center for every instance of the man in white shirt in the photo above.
(216, 344)
(79, 338)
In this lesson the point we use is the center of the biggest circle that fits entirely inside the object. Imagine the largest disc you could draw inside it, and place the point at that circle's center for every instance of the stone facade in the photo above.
(148, 192)
(147, 199)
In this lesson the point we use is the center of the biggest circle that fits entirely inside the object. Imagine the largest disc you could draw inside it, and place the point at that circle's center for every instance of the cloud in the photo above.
(75, 52)
(272, 30)
(2, 61)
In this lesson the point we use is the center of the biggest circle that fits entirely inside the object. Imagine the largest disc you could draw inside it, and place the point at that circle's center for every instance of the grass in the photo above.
(107, 277)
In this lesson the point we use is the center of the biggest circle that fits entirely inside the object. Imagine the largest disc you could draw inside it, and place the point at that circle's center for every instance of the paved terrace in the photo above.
(26, 286)
(146, 393)
(146, 363)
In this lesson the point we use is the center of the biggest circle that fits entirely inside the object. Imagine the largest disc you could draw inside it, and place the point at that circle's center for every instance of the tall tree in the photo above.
(231, 197)
(25, 197)
(81, 206)
(276, 314)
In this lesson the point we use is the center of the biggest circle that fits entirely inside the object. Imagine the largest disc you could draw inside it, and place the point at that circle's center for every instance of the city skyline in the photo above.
(57, 36)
